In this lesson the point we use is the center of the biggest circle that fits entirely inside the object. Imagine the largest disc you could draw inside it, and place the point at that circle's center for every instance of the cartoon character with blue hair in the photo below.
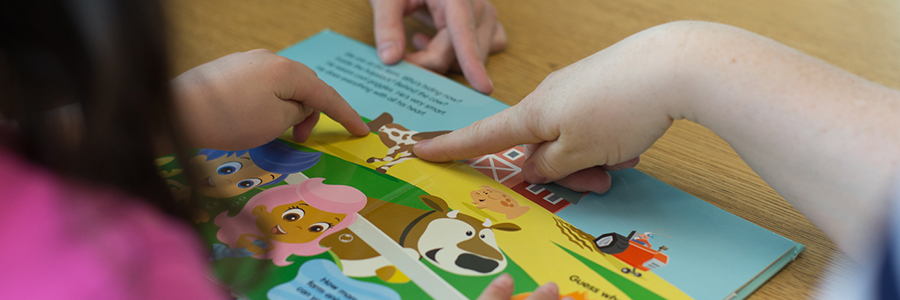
(224, 174)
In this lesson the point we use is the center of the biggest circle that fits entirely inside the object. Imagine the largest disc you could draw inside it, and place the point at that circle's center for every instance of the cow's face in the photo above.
(462, 245)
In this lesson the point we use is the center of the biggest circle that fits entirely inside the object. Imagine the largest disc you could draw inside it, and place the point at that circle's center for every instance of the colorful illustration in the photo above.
(224, 174)
(573, 296)
(399, 140)
(576, 236)
(506, 167)
(644, 238)
(322, 279)
(427, 250)
(288, 219)
(525, 251)
(179, 191)
(496, 200)
(455, 242)
(634, 250)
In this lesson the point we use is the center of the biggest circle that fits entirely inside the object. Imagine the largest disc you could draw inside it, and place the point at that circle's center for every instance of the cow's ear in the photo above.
(435, 203)
(506, 227)
(381, 120)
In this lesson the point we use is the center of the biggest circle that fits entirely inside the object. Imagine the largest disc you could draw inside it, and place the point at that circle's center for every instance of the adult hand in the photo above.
(596, 115)
(501, 288)
(246, 99)
(467, 32)
(790, 116)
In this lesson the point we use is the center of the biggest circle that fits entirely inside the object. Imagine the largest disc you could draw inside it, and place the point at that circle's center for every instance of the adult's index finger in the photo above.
(499, 132)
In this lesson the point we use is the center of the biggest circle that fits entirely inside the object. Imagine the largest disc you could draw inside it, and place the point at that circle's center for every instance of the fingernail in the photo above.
(422, 144)
(386, 50)
(531, 174)
(549, 288)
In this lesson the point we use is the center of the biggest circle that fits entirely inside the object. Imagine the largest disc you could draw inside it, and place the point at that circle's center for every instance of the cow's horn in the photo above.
(453, 214)
(487, 223)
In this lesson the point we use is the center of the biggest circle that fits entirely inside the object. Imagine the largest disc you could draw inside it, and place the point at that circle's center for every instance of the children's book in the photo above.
(347, 217)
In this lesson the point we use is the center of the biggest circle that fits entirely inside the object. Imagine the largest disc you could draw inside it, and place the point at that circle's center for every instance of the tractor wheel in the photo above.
(611, 243)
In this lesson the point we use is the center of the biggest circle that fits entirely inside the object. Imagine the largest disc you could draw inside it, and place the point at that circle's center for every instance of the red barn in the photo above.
(506, 167)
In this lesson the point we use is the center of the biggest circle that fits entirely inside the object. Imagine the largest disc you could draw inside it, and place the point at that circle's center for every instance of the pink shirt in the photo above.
(61, 239)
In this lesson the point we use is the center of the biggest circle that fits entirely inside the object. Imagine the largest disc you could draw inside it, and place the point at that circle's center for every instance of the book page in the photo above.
(346, 217)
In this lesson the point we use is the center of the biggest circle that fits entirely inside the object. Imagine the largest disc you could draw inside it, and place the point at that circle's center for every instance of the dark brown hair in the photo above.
(84, 86)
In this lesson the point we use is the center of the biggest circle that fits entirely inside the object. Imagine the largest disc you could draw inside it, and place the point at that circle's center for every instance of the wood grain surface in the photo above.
(862, 37)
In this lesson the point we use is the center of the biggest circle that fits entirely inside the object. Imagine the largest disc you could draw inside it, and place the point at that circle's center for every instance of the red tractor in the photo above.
(639, 256)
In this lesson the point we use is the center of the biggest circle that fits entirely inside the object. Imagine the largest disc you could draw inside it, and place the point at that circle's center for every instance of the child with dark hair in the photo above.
(85, 108)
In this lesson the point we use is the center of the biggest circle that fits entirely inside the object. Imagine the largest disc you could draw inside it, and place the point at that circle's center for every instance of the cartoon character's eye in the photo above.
(469, 233)
(249, 183)
(319, 227)
(293, 214)
(487, 235)
(229, 167)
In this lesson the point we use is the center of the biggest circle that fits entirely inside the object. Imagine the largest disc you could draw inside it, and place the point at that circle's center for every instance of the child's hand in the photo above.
(247, 99)
(501, 288)
(467, 31)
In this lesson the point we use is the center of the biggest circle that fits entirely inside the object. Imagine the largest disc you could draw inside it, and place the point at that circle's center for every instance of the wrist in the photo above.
(683, 57)
(712, 71)
(660, 67)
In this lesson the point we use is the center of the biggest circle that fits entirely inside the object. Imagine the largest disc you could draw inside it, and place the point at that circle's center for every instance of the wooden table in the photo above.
(547, 35)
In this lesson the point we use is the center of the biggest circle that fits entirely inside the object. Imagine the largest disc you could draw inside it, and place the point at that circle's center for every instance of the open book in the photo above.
(345, 217)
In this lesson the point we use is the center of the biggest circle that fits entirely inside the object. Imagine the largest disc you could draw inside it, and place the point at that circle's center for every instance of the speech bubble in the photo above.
(321, 279)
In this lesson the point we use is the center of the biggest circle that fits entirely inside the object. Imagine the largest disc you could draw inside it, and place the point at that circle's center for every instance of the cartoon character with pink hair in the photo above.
(288, 219)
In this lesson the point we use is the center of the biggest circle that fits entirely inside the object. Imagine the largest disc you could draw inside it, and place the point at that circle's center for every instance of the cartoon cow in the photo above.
(398, 139)
(455, 242)
(496, 200)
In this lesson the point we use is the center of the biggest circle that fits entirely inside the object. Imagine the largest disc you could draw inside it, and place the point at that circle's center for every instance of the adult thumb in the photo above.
(551, 161)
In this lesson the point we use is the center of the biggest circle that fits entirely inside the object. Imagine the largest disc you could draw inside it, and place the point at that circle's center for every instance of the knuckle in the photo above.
(529, 110)
(547, 169)
(284, 66)
(481, 126)
(314, 90)
(477, 131)
(282, 61)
